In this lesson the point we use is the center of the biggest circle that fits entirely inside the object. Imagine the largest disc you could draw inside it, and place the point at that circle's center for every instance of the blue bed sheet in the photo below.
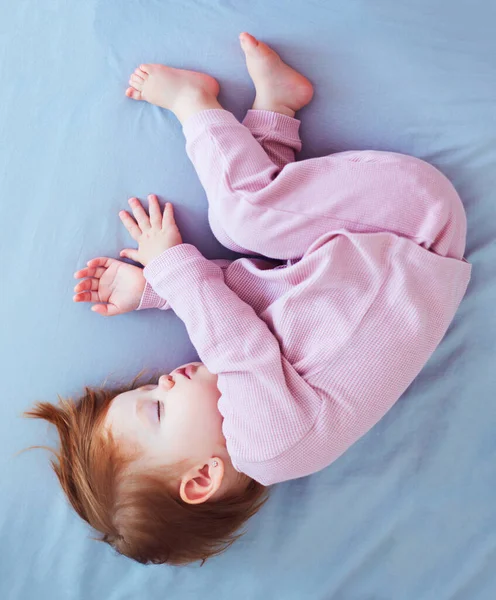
(408, 513)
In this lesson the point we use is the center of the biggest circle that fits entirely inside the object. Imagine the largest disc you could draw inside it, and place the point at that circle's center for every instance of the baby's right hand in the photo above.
(116, 286)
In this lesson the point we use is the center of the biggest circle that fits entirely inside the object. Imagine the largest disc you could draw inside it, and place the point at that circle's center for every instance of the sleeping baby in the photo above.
(299, 358)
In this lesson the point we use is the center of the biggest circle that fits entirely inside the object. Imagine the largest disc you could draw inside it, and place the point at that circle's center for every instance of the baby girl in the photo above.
(299, 360)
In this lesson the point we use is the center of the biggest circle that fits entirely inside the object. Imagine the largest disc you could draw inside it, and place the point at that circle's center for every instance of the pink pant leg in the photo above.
(279, 212)
(278, 136)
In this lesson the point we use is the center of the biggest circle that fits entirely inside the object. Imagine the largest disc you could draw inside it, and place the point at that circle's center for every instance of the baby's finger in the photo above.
(168, 218)
(139, 214)
(86, 297)
(90, 272)
(154, 210)
(130, 224)
(130, 253)
(100, 261)
(87, 284)
(81, 273)
(106, 310)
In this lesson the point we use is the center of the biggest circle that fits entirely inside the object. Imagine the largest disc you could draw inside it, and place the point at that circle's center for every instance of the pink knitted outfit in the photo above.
(311, 354)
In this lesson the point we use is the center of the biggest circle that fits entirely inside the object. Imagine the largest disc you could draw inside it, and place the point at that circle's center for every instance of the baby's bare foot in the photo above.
(182, 92)
(279, 88)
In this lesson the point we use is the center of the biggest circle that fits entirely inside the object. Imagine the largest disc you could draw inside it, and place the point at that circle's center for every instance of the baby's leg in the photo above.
(276, 133)
(280, 90)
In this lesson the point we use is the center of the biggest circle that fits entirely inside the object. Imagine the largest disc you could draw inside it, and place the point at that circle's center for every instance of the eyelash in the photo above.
(158, 410)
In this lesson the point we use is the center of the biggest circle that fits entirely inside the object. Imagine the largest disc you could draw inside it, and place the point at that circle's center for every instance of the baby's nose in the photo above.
(165, 381)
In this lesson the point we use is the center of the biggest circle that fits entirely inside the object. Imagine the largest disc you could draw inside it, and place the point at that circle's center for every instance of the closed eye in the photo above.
(158, 410)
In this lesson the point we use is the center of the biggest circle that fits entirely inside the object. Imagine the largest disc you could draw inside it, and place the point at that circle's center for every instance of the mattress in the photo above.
(408, 512)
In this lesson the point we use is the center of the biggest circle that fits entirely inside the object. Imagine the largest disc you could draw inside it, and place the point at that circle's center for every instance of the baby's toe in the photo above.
(134, 94)
(136, 82)
(254, 48)
(141, 73)
(248, 42)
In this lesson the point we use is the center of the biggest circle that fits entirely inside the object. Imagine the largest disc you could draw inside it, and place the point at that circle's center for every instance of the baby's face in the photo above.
(175, 420)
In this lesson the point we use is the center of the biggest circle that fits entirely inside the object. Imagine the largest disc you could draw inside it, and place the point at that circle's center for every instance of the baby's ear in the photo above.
(201, 482)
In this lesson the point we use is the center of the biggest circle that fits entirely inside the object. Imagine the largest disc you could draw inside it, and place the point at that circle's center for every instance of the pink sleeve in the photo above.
(150, 299)
(267, 407)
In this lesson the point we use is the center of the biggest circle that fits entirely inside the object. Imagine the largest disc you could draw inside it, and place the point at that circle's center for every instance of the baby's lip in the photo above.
(190, 370)
(182, 371)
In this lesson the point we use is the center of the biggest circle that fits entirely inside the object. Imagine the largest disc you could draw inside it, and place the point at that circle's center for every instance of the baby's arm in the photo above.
(150, 299)
(267, 406)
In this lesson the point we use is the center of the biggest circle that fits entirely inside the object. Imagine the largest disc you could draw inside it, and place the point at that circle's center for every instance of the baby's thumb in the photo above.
(129, 253)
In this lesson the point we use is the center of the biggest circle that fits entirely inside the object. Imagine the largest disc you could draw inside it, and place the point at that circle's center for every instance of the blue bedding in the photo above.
(408, 513)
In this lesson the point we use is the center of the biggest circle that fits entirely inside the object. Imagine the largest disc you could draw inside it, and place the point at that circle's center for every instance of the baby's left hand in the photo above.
(154, 233)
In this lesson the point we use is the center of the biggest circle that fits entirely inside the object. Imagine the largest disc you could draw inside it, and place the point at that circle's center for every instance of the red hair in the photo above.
(139, 514)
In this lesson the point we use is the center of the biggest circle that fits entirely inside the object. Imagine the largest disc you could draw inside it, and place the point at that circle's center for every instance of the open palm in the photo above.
(115, 286)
